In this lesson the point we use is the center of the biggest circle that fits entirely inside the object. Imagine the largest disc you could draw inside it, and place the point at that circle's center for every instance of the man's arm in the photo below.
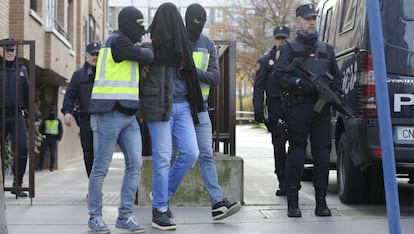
(25, 88)
(71, 93)
(124, 49)
(259, 88)
(60, 130)
(212, 75)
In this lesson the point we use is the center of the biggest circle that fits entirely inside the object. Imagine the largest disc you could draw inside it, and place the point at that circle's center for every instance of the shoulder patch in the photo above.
(271, 62)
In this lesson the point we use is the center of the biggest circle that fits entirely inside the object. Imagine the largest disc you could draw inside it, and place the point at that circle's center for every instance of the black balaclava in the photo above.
(127, 23)
(195, 11)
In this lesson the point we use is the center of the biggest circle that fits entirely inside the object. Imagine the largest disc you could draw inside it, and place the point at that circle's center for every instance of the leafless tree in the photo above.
(251, 25)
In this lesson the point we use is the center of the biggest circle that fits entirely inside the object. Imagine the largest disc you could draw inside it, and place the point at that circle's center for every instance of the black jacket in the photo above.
(263, 81)
(13, 75)
(79, 90)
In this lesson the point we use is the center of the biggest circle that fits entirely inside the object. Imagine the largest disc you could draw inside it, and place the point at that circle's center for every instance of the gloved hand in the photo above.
(259, 117)
(306, 86)
(294, 83)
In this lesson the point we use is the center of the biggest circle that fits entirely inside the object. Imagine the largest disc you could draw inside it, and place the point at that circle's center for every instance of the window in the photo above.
(218, 16)
(328, 25)
(55, 17)
(97, 34)
(50, 15)
(408, 9)
(91, 29)
(84, 32)
(70, 21)
(348, 15)
(33, 5)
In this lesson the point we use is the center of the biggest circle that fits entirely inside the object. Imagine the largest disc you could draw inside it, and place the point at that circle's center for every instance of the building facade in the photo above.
(61, 30)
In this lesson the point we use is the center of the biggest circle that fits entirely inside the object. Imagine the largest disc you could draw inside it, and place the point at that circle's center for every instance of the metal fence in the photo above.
(30, 116)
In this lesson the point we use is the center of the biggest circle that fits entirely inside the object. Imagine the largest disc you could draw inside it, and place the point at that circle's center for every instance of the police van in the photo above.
(344, 24)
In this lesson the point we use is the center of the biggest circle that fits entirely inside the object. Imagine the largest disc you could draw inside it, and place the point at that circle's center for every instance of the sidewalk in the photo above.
(60, 203)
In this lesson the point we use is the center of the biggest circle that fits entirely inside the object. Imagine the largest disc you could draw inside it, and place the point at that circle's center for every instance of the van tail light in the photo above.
(377, 153)
(367, 103)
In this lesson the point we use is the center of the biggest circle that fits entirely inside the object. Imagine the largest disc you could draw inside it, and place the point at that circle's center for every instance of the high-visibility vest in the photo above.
(201, 61)
(115, 81)
(52, 126)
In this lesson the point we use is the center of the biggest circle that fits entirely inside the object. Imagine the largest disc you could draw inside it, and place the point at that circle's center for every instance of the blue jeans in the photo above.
(206, 159)
(166, 178)
(108, 129)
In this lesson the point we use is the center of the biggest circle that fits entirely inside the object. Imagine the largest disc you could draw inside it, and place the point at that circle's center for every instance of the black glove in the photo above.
(294, 83)
(305, 87)
(259, 117)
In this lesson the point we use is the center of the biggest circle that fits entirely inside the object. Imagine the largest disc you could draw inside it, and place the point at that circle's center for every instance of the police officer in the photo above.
(51, 128)
(15, 126)
(79, 91)
(301, 96)
(266, 89)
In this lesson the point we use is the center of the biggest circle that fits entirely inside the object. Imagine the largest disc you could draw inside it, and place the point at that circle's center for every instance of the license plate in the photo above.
(404, 134)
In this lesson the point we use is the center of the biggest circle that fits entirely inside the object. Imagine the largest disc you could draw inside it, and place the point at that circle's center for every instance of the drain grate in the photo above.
(281, 213)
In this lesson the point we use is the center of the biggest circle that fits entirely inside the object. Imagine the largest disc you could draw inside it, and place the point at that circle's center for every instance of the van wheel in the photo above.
(376, 192)
(351, 181)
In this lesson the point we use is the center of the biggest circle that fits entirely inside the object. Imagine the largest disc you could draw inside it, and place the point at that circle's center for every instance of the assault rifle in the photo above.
(322, 84)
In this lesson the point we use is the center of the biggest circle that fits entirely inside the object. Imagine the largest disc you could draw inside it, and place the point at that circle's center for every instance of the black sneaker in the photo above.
(160, 220)
(225, 209)
(18, 192)
(170, 213)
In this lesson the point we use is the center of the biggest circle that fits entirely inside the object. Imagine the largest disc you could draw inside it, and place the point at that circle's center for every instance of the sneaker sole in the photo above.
(164, 228)
(136, 231)
(229, 212)
(101, 232)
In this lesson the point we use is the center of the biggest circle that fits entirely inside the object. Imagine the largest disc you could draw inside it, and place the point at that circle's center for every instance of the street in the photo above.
(60, 202)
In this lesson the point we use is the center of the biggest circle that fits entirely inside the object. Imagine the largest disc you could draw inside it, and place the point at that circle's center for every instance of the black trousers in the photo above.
(15, 128)
(279, 138)
(86, 137)
(303, 121)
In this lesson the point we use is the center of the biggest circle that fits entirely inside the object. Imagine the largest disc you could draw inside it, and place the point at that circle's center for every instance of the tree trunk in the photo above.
(3, 221)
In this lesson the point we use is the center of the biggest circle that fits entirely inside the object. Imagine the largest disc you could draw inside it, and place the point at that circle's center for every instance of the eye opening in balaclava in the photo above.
(195, 18)
(129, 19)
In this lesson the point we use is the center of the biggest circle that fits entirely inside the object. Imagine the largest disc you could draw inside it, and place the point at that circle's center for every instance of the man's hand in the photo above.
(146, 38)
(68, 119)
(259, 117)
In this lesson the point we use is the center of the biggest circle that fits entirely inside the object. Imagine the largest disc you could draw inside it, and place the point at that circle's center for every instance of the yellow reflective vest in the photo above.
(52, 126)
(201, 61)
(115, 81)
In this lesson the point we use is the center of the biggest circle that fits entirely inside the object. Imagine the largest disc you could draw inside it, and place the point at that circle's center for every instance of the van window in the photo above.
(348, 15)
(328, 24)
(408, 8)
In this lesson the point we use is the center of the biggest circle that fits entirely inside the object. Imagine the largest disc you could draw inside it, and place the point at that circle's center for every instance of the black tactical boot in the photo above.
(282, 186)
(321, 207)
(282, 190)
(16, 190)
(293, 203)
